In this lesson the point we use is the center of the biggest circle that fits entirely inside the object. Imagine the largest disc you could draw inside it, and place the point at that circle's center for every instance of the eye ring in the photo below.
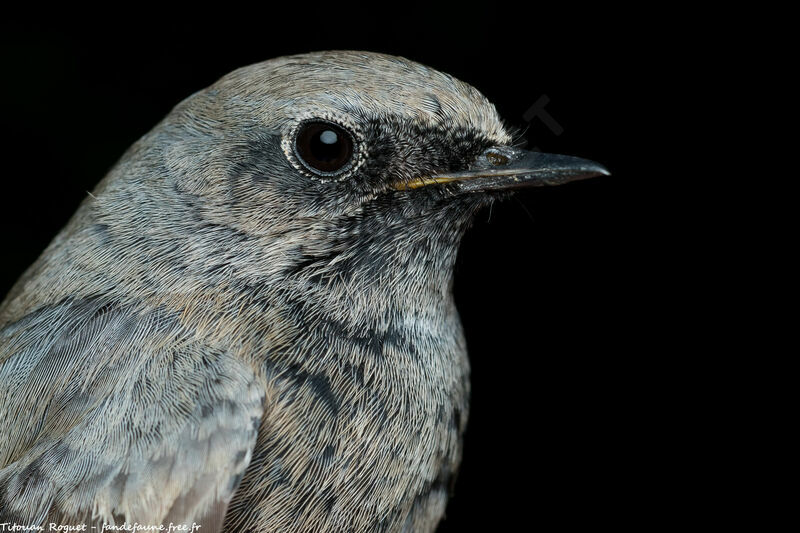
(324, 148)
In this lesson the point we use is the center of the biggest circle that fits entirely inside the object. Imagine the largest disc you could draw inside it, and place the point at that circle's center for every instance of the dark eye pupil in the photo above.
(324, 147)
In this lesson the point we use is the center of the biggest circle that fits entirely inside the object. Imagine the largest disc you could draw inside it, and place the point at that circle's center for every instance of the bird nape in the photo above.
(249, 324)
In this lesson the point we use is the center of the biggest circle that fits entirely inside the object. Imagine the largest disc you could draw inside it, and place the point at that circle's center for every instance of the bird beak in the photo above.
(506, 167)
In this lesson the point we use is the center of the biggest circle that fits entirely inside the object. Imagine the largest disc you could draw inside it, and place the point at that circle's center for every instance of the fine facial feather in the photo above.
(323, 307)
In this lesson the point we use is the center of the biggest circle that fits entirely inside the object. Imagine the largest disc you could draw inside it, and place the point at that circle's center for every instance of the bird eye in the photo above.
(324, 148)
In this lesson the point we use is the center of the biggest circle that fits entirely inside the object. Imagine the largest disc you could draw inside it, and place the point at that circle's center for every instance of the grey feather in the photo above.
(123, 414)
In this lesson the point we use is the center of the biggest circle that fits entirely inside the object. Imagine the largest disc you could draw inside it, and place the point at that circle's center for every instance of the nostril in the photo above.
(496, 159)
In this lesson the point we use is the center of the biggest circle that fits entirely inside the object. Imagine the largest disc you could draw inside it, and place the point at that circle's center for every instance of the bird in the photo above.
(249, 324)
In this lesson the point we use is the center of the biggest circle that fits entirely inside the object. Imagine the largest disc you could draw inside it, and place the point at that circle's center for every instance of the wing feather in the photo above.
(117, 415)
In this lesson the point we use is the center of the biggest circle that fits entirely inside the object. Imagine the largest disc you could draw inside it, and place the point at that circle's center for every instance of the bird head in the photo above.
(335, 169)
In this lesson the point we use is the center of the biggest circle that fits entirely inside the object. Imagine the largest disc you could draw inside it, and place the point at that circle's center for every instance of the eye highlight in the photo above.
(323, 147)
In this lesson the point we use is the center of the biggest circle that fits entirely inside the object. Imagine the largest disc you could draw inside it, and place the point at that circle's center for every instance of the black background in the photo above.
(558, 288)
